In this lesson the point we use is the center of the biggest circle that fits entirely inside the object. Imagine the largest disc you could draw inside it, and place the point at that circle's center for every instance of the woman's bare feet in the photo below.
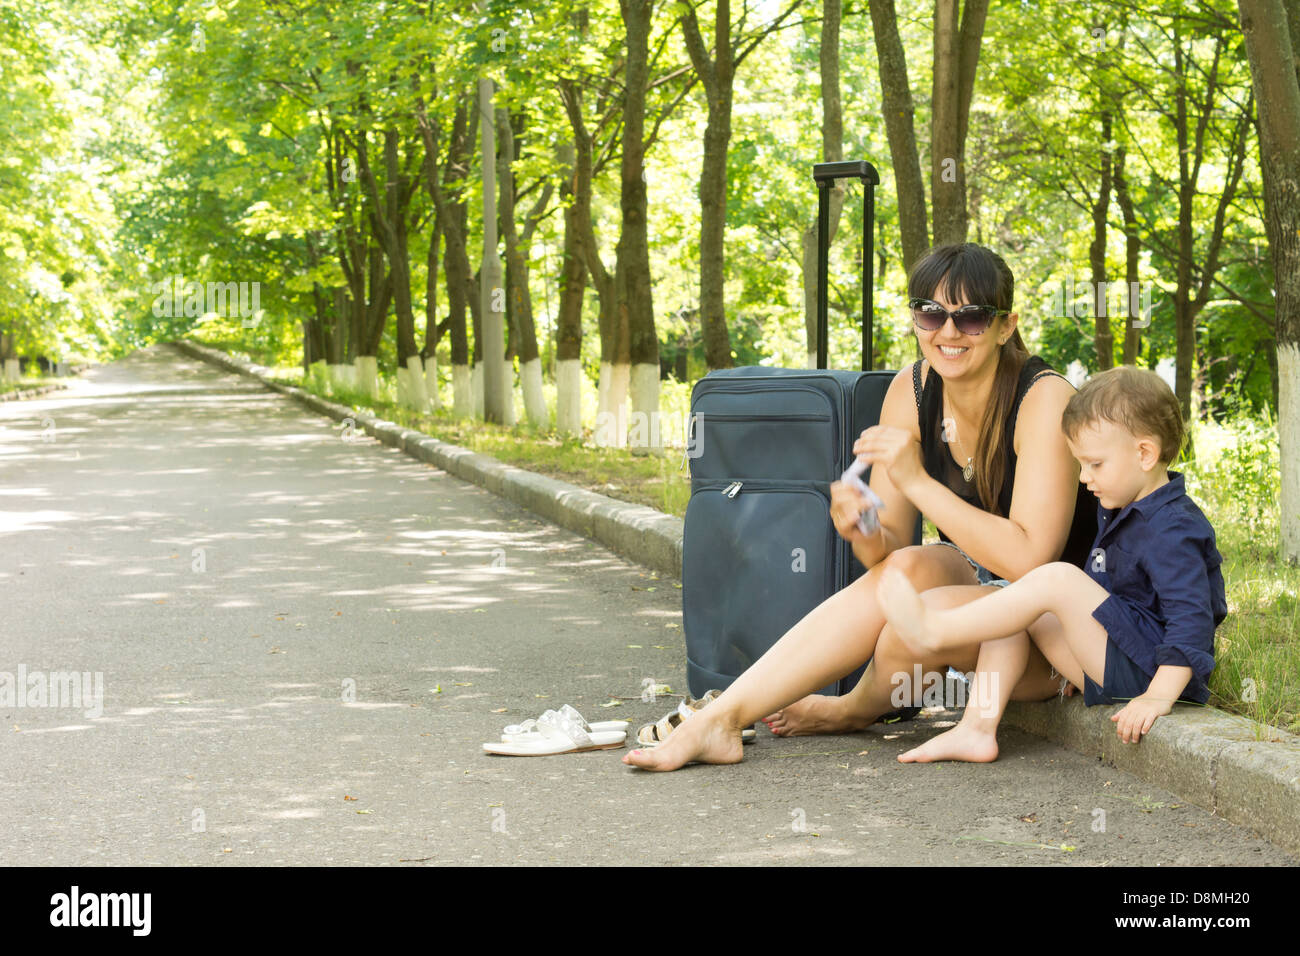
(963, 742)
(815, 714)
(701, 739)
(907, 613)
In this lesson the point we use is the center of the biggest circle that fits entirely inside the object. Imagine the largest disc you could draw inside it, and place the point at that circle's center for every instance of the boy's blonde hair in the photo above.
(1135, 399)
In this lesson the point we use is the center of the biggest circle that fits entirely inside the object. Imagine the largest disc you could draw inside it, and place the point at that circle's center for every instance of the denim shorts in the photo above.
(982, 574)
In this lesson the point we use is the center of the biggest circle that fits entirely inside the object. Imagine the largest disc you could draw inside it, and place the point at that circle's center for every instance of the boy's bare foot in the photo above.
(960, 743)
(701, 739)
(815, 714)
(906, 612)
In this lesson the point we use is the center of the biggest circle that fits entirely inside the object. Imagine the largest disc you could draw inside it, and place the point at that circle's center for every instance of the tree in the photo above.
(1272, 32)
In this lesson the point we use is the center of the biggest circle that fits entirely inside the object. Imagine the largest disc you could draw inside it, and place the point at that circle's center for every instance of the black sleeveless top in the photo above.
(940, 466)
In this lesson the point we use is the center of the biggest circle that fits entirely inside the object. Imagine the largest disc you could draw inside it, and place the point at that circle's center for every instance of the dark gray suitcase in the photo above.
(759, 548)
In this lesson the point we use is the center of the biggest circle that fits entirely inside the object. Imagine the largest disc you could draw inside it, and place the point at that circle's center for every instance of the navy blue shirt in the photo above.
(1157, 558)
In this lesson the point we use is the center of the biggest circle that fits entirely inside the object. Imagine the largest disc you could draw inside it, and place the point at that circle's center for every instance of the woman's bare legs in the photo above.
(927, 567)
(830, 641)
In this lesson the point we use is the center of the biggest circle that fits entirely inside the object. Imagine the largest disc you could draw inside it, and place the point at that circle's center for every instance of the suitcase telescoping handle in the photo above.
(825, 175)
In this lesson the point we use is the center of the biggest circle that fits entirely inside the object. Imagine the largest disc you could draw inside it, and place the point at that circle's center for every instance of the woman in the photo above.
(969, 436)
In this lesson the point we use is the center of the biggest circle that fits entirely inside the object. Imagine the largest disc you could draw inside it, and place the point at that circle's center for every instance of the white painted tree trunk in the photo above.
(611, 414)
(646, 435)
(367, 372)
(415, 383)
(568, 396)
(530, 378)
(403, 387)
(476, 380)
(810, 360)
(602, 388)
(12, 373)
(431, 383)
(508, 394)
(462, 391)
(1288, 433)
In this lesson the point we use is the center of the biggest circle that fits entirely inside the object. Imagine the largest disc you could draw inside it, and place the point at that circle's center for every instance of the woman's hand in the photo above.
(895, 450)
(846, 505)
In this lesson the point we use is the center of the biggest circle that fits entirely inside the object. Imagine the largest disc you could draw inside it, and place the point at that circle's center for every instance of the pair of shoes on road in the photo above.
(652, 735)
(563, 731)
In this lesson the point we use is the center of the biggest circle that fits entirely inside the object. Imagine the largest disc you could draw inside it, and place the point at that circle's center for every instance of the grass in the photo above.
(660, 481)
(1235, 481)
(21, 384)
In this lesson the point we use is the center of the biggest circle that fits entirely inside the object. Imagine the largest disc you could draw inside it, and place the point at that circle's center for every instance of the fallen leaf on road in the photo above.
(365, 811)
(346, 797)
(499, 710)
(1031, 818)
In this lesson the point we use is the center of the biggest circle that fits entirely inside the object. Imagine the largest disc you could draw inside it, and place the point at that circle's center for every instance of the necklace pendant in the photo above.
(969, 471)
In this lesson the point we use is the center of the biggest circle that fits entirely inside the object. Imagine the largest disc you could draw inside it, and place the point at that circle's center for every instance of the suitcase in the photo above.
(759, 550)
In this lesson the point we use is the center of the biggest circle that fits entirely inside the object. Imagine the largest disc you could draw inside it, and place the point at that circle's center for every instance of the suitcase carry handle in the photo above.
(825, 175)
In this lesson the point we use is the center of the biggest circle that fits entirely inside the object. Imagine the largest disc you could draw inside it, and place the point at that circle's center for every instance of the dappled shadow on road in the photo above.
(186, 522)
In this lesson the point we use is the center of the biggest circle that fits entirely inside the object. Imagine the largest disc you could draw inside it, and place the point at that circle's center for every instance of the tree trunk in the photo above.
(497, 403)
(390, 225)
(718, 76)
(632, 273)
(451, 213)
(1133, 318)
(1271, 43)
(956, 54)
(1104, 340)
(568, 328)
(614, 346)
(832, 152)
(519, 300)
(900, 130)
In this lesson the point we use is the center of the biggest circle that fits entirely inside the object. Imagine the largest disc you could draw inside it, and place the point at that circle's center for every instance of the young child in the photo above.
(1137, 624)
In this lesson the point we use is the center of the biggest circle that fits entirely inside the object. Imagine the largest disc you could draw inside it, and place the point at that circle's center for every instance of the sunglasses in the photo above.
(969, 319)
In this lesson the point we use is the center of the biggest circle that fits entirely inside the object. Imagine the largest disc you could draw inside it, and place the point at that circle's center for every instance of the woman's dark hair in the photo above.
(971, 274)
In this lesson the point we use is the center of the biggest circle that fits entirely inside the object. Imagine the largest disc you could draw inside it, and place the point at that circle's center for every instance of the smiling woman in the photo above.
(1008, 502)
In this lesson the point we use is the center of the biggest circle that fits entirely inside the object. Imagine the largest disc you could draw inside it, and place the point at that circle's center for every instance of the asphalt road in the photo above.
(313, 685)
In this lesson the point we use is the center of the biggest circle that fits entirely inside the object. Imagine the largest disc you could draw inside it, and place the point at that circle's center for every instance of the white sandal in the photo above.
(521, 731)
(556, 733)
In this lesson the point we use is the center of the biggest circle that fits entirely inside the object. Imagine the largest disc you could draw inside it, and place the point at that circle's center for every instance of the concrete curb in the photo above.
(1242, 770)
(30, 393)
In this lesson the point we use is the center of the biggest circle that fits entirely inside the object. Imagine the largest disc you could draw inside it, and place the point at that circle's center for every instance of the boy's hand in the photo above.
(1137, 717)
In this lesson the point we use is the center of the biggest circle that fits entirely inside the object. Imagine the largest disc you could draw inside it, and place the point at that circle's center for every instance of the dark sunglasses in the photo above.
(969, 319)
